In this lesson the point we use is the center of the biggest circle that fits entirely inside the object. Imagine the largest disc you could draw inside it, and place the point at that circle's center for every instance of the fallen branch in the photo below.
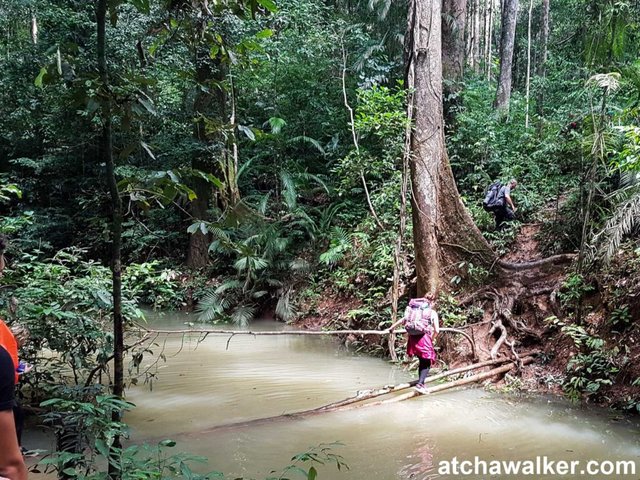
(286, 332)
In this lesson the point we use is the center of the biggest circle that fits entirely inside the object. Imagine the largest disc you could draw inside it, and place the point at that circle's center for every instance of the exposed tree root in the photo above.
(554, 260)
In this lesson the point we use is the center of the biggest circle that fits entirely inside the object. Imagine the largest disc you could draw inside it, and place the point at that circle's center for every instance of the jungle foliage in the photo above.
(289, 118)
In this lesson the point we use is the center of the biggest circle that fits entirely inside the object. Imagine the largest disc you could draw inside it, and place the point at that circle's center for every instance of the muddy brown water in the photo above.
(205, 385)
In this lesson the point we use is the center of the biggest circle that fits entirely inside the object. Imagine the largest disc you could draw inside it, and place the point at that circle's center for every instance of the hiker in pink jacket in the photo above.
(421, 344)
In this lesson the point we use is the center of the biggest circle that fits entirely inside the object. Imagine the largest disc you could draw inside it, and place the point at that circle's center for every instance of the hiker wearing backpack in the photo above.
(498, 201)
(420, 320)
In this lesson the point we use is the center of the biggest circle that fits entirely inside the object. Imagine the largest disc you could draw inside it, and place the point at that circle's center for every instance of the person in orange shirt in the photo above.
(12, 465)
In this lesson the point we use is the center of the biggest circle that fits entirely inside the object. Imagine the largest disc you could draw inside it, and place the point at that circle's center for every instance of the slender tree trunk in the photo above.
(544, 38)
(528, 81)
(489, 41)
(477, 36)
(443, 230)
(116, 222)
(507, 41)
(542, 66)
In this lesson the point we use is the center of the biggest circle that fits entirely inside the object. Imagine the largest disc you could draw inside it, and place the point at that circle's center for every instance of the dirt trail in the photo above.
(527, 245)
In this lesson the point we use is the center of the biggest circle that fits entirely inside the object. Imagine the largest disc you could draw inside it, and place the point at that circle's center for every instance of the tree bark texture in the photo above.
(507, 41)
(209, 102)
(528, 81)
(544, 37)
(454, 14)
(489, 39)
(544, 40)
(444, 233)
(116, 223)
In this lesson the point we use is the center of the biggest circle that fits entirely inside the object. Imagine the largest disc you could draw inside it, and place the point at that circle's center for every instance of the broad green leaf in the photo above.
(247, 131)
(266, 33)
(312, 474)
(269, 5)
(38, 81)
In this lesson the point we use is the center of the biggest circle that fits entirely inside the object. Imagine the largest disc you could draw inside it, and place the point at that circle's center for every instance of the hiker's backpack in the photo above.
(417, 317)
(492, 197)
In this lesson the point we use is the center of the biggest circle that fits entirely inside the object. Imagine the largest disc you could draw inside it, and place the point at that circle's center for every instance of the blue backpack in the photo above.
(492, 200)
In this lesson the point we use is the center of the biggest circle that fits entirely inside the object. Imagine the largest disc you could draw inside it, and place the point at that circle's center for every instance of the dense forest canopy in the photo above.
(252, 158)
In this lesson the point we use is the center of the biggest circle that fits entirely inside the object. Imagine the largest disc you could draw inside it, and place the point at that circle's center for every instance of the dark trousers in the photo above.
(423, 369)
(18, 416)
(503, 214)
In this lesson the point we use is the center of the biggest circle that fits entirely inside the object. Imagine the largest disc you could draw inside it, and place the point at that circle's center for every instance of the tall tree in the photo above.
(443, 231)
(488, 39)
(507, 42)
(453, 25)
(542, 64)
(116, 221)
(528, 80)
(544, 38)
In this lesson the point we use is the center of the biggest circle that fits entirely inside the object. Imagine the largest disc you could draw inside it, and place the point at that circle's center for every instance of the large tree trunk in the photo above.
(116, 222)
(507, 41)
(210, 102)
(444, 233)
(454, 14)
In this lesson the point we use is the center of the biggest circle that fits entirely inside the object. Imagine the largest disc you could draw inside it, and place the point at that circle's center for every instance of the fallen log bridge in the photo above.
(360, 399)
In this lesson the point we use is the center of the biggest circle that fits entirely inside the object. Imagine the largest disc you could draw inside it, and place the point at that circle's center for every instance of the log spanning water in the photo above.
(359, 400)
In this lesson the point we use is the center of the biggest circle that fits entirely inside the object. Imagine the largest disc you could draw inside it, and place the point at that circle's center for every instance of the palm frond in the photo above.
(276, 124)
(231, 284)
(315, 178)
(608, 81)
(264, 202)
(624, 221)
(309, 140)
(285, 308)
(210, 307)
(289, 191)
(243, 314)
(243, 168)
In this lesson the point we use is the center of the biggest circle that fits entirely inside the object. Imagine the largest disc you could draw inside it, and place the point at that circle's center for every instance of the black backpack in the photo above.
(492, 197)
